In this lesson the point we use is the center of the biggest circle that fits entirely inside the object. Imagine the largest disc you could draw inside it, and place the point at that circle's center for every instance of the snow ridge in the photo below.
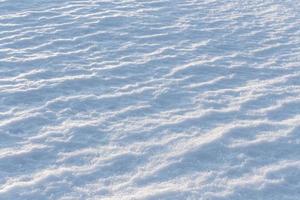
(158, 99)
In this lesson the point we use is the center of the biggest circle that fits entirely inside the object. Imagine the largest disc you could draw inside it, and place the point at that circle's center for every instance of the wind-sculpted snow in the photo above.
(158, 99)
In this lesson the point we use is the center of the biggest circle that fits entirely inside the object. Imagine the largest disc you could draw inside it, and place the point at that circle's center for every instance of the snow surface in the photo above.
(150, 99)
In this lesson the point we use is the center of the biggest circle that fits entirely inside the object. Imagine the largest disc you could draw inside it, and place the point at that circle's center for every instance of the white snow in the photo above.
(150, 99)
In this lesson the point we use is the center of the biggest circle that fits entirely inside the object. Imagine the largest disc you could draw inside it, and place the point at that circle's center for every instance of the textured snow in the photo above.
(152, 99)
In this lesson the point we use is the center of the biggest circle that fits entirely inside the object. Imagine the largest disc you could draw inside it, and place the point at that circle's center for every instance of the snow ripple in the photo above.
(159, 99)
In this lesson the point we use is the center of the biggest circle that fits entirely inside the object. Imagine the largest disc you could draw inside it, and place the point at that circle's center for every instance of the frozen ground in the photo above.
(153, 99)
